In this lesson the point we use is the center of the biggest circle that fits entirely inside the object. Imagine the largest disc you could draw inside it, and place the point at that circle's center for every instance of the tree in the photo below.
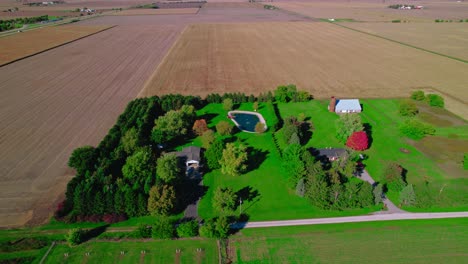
(161, 200)
(378, 193)
(358, 141)
(407, 196)
(365, 195)
(228, 104)
(222, 227)
(465, 161)
(208, 229)
(83, 159)
(168, 168)
(207, 138)
(418, 96)
(173, 124)
(346, 125)
(214, 154)
(224, 200)
(130, 141)
(139, 168)
(224, 128)
(408, 108)
(163, 228)
(188, 229)
(255, 106)
(199, 127)
(292, 163)
(393, 174)
(415, 129)
(317, 191)
(75, 236)
(285, 93)
(435, 100)
(260, 127)
(233, 159)
(300, 188)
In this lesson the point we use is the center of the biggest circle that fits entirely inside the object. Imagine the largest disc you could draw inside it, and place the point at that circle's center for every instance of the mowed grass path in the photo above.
(275, 201)
(163, 252)
(415, 241)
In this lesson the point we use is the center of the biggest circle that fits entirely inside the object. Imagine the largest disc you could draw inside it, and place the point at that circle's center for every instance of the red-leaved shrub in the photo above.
(358, 141)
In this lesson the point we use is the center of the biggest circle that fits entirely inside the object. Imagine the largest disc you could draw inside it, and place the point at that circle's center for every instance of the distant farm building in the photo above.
(342, 106)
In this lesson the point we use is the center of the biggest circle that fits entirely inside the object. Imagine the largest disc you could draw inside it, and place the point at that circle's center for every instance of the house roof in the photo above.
(348, 104)
(331, 152)
(191, 153)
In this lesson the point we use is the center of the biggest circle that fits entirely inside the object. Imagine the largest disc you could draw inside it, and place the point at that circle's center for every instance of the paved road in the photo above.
(352, 219)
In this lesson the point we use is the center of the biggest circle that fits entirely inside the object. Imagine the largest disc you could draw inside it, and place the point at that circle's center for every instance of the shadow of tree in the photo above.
(368, 130)
(94, 232)
(189, 191)
(208, 117)
(247, 194)
(255, 158)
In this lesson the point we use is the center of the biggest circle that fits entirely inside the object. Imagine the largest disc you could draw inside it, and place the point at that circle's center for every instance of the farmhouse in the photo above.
(331, 154)
(344, 106)
(191, 156)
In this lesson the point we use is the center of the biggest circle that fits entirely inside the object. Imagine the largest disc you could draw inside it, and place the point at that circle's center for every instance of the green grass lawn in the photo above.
(383, 117)
(406, 241)
(155, 252)
(274, 200)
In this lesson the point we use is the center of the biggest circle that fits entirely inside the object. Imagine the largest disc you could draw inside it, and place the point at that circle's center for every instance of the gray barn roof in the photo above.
(331, 152)
(348, 105)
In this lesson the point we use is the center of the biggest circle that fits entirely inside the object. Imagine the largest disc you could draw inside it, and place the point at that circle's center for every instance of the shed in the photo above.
(348, 106)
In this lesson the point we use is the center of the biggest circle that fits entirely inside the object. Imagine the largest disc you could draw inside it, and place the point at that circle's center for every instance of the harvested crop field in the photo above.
(446, 38)
(166, 11)
(371, 11)
(50, 105)
(322, 58)
(27, 43)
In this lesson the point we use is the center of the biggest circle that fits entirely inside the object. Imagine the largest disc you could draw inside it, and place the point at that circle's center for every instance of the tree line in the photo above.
(19, 22)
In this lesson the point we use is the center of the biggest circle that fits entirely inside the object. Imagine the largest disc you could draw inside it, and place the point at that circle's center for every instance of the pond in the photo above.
(245, 120)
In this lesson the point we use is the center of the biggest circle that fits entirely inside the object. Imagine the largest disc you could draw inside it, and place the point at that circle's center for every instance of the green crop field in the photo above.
(273, 199)
(155, 252)
(415, 241)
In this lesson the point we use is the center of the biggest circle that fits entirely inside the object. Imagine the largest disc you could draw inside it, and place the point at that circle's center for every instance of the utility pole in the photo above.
(240, 206)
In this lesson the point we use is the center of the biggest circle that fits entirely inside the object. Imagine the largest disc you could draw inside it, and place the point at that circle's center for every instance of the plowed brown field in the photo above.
(58, 100)
(370, 10)
(446, 38)
(165, 11)
(322, 58)
(27, 43)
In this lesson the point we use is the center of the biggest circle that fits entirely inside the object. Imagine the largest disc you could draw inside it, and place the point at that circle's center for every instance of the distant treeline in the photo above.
(19, 22)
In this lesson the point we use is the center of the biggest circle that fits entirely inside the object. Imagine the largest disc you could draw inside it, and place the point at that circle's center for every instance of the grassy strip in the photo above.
(402, 43)
(405, 241)
(162, 251)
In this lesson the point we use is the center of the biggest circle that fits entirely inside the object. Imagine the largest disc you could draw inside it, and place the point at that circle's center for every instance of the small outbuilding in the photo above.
(343, 106)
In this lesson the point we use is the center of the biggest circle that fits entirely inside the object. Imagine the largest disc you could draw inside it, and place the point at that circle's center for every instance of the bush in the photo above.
(199, 127)
(465, 161)
(415, 129)
(188, 229)
(396, 21)
(408, 108)
(75, 236)
(163, 229)
(393, 175)
(358, 141)
(224, 128)
(435, 100)
(143, 231)
(260, 127)
(228, 104)
(407, 196)
(418, 96)
(208, 229)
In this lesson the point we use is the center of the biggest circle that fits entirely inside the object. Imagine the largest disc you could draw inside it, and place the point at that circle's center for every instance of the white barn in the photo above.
(343, 106)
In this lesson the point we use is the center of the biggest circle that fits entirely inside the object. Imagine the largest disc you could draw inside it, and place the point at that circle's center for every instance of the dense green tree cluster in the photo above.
(19, 22)
(346, 125)
(416, 129)
(287, 93)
